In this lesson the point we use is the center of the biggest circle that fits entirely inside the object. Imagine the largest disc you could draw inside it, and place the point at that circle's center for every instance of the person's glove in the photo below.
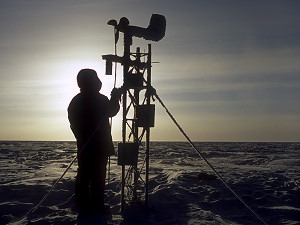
(116, 93)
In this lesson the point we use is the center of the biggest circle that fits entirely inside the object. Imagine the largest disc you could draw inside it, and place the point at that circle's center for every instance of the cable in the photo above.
(52, 188)
(111, 120)
(33, 209)
(201, 155)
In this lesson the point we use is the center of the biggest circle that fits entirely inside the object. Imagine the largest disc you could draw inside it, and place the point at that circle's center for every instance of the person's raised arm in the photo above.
(114, 105)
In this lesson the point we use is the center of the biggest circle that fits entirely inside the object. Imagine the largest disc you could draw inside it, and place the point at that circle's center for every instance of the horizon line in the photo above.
(181, 141)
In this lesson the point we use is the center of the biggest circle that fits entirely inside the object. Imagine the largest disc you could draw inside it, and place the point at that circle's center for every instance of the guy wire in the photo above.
(201, 155)
(33, 209)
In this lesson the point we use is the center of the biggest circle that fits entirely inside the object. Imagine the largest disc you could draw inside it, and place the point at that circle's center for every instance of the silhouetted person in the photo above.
(89, 113)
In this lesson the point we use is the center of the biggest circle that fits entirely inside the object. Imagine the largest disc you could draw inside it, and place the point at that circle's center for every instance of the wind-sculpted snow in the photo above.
(265, 175)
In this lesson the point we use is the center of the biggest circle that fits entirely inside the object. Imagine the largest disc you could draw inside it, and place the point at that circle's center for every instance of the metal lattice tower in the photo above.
(138, 117)
(138, 112)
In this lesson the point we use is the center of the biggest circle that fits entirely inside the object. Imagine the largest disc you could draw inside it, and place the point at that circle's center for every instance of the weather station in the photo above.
(138, 116)
(138, 108)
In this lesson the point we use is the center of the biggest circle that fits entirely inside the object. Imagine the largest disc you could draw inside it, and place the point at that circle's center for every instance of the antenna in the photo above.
(138, 111)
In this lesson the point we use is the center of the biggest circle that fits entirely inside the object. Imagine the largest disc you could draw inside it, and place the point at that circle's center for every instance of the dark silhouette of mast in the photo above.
(138, 112)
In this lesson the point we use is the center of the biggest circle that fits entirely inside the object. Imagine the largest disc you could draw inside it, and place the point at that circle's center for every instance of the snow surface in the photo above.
(265, 175)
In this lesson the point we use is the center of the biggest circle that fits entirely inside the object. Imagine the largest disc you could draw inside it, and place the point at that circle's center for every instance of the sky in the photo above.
(227, 71)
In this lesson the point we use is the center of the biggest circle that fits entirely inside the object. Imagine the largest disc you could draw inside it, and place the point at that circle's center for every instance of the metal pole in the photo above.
(148, 127)
(126, 57)
(136, 129)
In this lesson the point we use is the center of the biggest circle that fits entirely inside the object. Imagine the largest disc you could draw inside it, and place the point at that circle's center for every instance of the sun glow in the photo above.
(64, 88)
(67, 83)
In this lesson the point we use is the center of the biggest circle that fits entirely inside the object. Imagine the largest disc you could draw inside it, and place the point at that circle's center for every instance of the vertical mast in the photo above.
(138, 112)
